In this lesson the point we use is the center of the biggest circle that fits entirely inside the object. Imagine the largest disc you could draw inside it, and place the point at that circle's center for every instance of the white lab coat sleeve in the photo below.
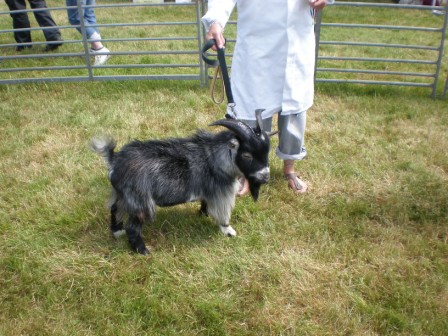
(218, 11)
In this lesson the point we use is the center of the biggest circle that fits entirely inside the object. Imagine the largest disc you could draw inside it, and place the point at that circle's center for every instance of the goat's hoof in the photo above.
(142, 251)
(228, 231)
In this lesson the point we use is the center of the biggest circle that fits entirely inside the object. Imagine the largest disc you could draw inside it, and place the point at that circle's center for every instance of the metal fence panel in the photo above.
(143, 50)
(146, 47)
(428, 67)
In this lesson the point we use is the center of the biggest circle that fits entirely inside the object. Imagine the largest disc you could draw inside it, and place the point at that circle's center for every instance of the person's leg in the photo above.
(96, 47)
(75, 18)
(92, 31)
(44, 19)
(73, 14)
(291, 147)
(98, 50)
(20, 21)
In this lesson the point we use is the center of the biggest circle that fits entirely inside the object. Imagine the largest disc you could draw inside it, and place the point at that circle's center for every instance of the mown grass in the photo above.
(363, 253)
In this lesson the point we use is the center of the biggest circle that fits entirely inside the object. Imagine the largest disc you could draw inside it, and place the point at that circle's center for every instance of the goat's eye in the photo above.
(233, 144)
(247, 156)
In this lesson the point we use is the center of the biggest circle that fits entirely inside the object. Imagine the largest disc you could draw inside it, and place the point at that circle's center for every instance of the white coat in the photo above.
(274, 56)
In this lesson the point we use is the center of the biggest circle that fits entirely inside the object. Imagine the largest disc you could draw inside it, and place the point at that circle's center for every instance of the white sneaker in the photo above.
(100, 55)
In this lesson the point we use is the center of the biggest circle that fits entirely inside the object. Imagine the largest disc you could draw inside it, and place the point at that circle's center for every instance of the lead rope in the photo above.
(217, 75)
(222, 70)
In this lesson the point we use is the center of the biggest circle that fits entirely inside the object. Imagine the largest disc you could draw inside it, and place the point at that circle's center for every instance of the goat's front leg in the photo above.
(227, 230)
(221, 212)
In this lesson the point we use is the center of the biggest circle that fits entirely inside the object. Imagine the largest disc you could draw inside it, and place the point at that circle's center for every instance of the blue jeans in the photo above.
(88, 16)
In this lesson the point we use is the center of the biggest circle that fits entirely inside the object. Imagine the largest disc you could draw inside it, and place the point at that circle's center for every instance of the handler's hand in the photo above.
(317, 4)
(216, 32)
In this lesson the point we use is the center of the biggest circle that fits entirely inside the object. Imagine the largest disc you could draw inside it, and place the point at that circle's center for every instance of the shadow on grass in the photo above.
(178, 227)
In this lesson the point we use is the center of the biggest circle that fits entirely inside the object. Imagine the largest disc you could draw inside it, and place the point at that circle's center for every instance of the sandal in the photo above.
(295, 183)
(244, 186)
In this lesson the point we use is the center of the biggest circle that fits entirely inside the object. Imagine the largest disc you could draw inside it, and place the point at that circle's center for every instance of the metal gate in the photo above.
(418, 64)
(148, 46)
(140, 49)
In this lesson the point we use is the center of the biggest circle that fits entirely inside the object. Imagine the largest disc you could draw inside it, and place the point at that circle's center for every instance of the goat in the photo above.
(204, 167)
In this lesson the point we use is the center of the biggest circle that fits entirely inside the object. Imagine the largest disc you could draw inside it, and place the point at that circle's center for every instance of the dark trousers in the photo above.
(43, 18)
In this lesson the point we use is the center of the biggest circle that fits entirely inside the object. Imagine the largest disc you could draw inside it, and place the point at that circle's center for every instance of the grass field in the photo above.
(365, 252)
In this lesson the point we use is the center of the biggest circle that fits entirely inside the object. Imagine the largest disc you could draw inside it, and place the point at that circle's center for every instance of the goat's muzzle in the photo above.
(263, 176)
(256, 180)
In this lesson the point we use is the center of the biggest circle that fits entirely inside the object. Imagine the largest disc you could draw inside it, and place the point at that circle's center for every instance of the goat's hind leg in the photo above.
(116, 223)
(134, 232)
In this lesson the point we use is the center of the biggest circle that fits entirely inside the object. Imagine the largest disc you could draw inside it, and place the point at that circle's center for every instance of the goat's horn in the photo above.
(259, 119)
(237, 126)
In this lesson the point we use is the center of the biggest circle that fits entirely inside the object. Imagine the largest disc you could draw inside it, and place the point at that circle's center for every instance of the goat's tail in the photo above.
(105, 147)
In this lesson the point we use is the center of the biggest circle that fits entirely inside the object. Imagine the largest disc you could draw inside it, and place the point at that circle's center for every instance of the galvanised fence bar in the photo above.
(361, 38)
(152, 40)
(147, 45)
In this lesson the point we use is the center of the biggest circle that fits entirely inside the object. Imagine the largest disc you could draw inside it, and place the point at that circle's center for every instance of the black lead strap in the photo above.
(225, 75)
(221, 62)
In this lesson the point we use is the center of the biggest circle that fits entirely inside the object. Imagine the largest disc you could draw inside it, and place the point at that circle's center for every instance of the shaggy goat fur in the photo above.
(204, 167)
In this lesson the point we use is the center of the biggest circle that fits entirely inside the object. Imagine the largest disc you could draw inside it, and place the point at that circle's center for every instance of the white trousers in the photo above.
(291, 134)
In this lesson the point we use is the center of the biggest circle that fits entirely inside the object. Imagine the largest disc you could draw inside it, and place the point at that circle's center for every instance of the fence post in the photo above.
(439, 59)
(445, 88)
(200, 42)
(84, 39)
(205, 66)
(317, 27)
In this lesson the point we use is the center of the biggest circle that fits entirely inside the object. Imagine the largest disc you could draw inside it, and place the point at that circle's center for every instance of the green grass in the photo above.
(363, 253)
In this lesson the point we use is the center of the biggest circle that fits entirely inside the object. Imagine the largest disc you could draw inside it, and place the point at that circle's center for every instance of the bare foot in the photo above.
(294, 181)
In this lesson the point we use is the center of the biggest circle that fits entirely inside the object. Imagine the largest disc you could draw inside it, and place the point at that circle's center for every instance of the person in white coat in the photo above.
(272, 68)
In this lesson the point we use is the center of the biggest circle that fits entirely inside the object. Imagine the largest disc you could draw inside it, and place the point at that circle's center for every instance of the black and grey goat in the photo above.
(204, 167)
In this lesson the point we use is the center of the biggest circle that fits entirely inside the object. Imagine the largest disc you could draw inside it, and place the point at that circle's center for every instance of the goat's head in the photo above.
(252, 157)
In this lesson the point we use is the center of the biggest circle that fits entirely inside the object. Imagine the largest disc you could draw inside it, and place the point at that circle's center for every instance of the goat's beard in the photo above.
(254, 188)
